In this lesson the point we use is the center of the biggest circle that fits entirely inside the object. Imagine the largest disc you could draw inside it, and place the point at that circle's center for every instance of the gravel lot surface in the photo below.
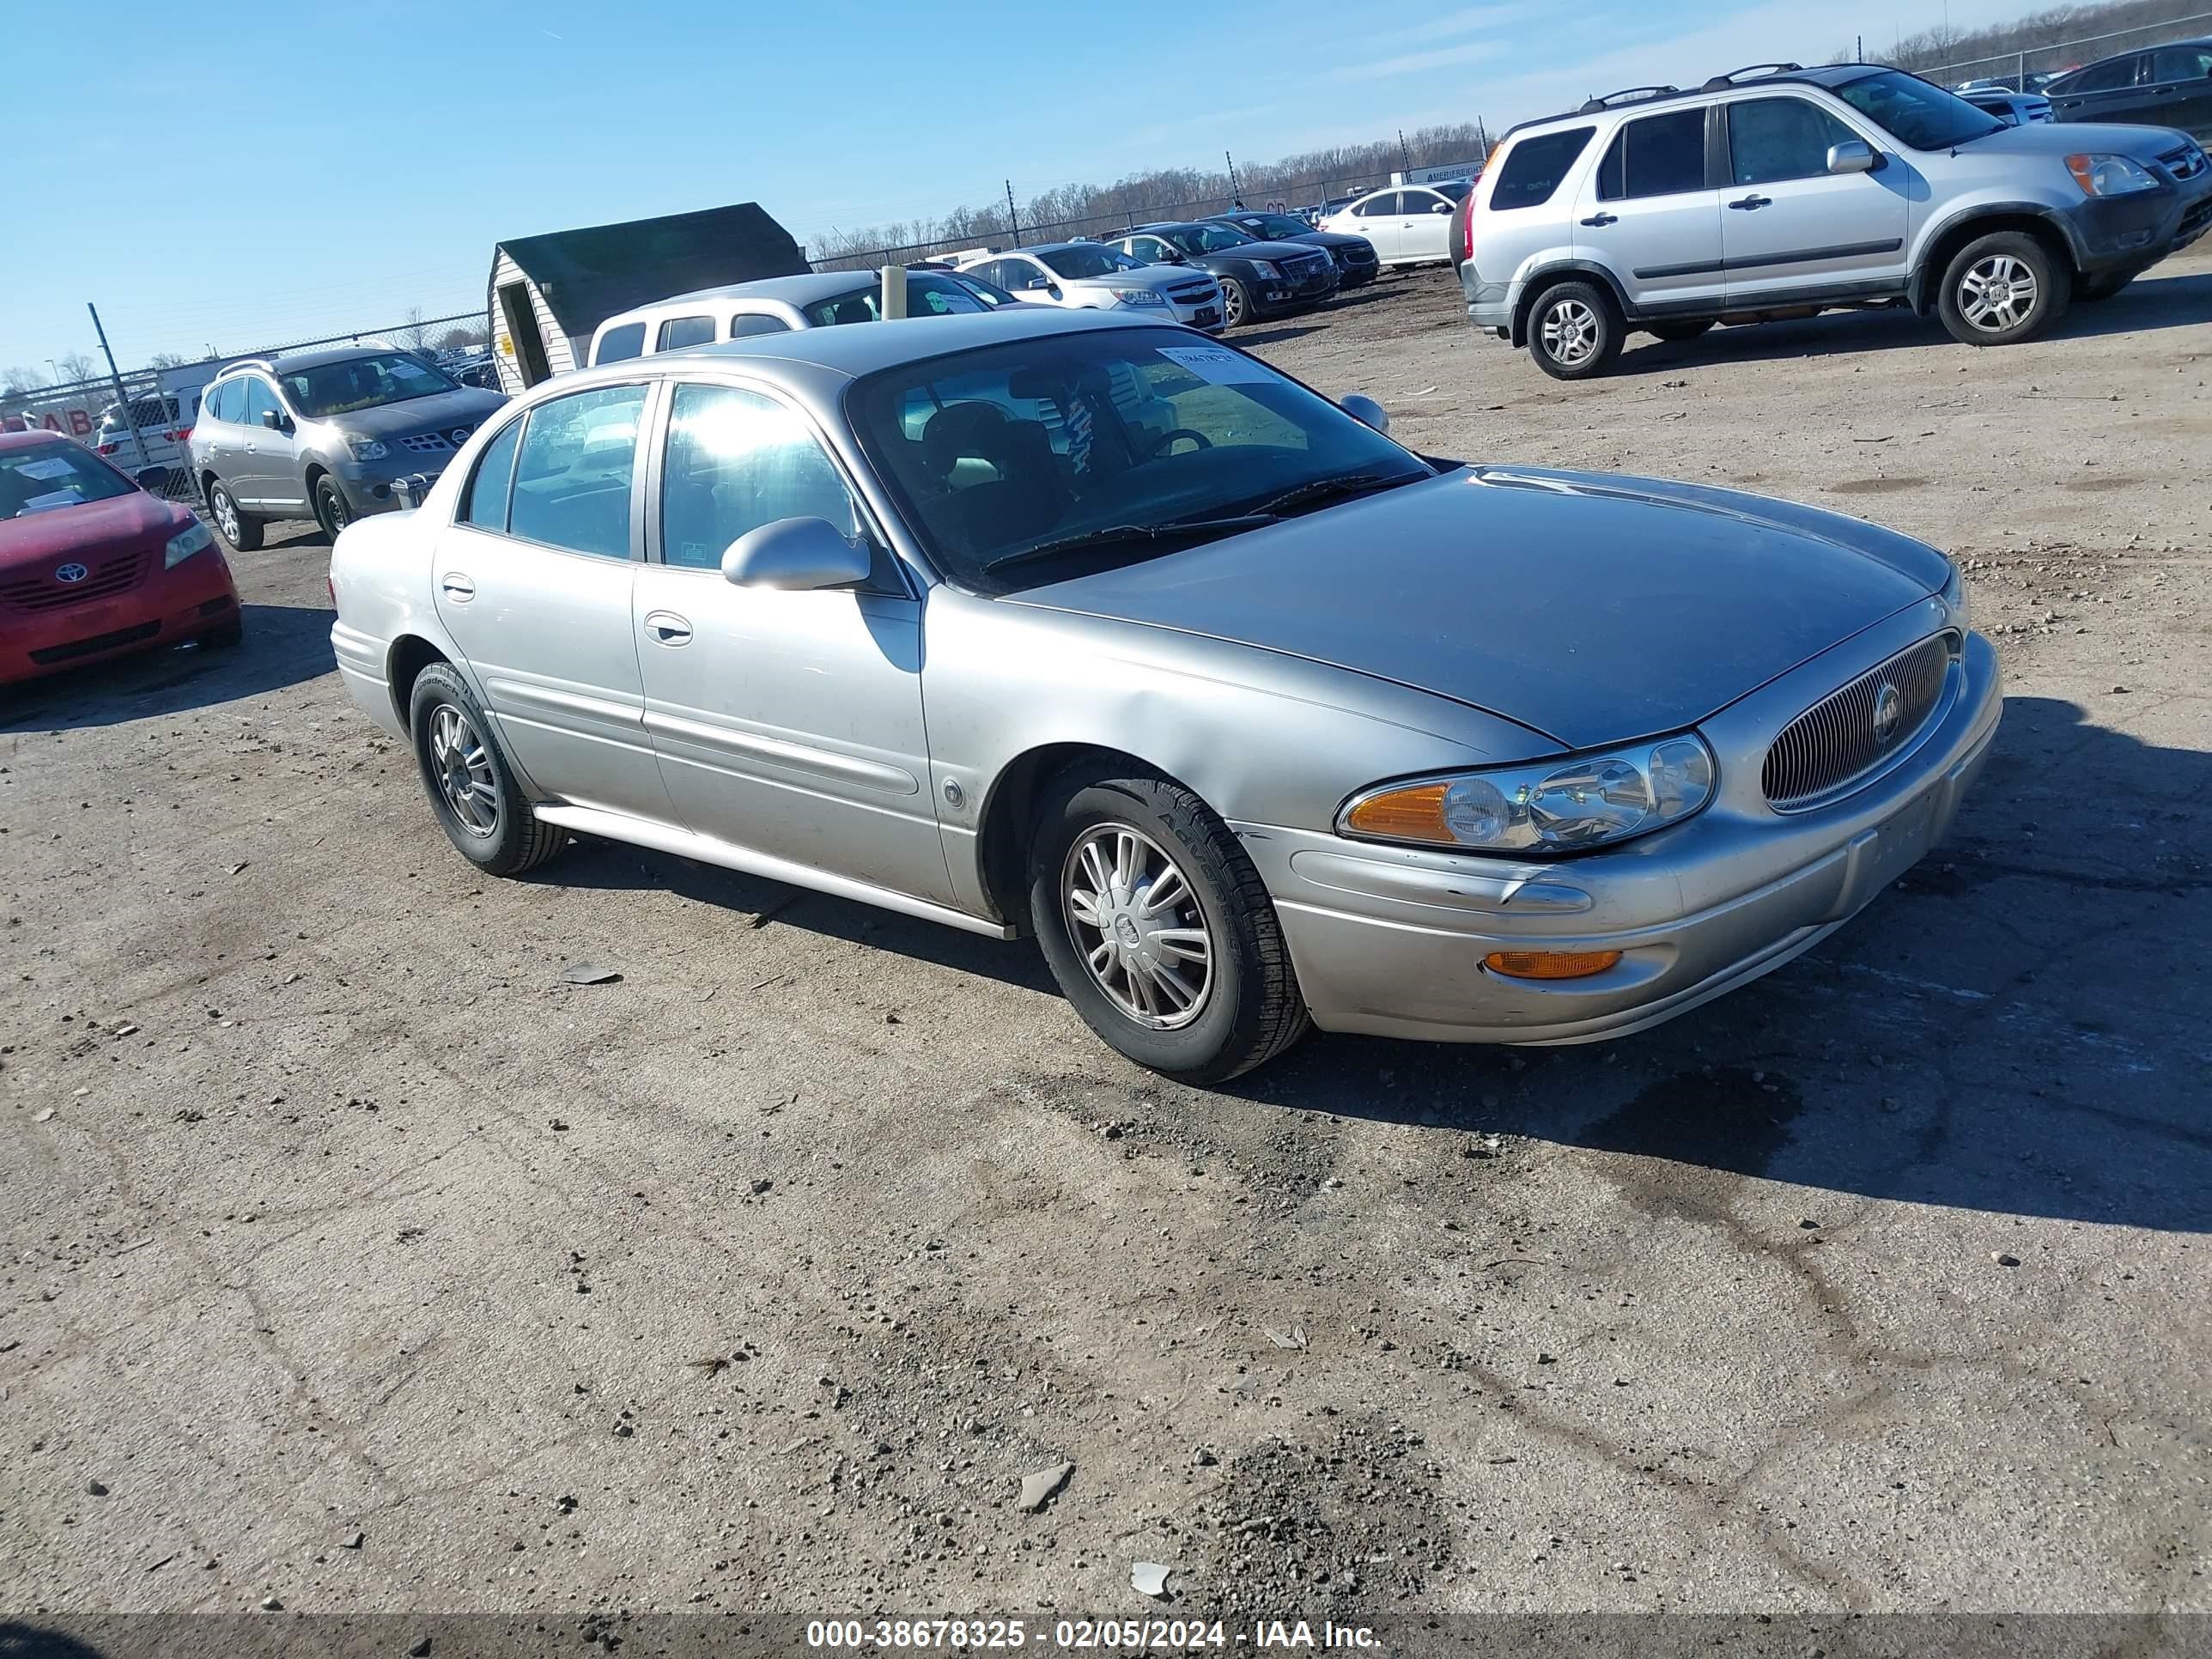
(353, 1258)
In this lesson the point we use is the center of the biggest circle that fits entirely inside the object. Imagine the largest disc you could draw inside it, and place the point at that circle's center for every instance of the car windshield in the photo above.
(1915, 112)
(1031, 461)
(1459, 190)
(362, 382)
(1089, 259)
(41, 477)
(1277, 227)
(989, 292)
(1208, 238)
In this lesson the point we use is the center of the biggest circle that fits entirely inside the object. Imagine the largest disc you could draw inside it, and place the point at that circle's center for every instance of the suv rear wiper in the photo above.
(1114, 535)
(1326, 489)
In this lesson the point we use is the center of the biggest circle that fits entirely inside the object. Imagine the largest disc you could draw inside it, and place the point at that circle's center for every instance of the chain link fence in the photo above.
(2015, 67)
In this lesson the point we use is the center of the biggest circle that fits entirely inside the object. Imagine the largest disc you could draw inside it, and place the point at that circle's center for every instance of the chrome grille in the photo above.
(427, 443)
(42, 592)
(1847, 734)
(2184, 163)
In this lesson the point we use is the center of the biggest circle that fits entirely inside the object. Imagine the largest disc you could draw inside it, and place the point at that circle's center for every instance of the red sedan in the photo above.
(92, 566)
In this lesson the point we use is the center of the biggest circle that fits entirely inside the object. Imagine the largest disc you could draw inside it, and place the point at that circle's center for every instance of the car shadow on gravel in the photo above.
(2017, 1028)
(284, 645)
(2147, 304)
(1267, 337)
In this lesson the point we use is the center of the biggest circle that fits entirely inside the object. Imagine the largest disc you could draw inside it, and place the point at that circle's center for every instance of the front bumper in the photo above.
(1206, 314)
(1391, 942)
(2114, 232)
(1272, 298)
(167, 608)
(369, 484)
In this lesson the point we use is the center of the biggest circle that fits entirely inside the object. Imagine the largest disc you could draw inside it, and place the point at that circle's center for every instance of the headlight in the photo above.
(1140, 296)
(183, 544)
(2109, 175)
(367, 449)
(1545, 806)
(1268, 268)
(1954, 596)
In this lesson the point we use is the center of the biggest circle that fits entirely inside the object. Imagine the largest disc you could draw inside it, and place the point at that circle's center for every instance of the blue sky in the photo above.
(261, 170)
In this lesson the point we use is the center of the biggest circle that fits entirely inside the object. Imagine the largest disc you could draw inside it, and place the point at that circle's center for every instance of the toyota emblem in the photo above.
(1888, 709)
(72, 573)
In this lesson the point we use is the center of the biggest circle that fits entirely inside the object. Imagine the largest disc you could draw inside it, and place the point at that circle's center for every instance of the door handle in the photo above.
(250, 450)
(459, 588)
(1750, 204)
(668, 627)
(1602, 219)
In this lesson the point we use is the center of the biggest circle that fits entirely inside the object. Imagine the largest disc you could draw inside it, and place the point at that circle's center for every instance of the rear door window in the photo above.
(1658, 155)
(572, 476)
(620, 344)
(485, 505)
(226, 403)
(1535, 168)
(1771, 140)
(1385, 206)
(679, 333)
(748, 323)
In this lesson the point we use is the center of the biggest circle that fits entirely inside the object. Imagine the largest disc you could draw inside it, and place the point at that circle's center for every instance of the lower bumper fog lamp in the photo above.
(1550, 964)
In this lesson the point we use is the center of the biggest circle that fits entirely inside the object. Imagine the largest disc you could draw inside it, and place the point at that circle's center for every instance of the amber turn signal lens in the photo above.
(1415, 814)
(1550, 964)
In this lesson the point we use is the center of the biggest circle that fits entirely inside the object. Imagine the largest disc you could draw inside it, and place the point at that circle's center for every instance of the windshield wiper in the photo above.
(1326, 489)
(1115, 535)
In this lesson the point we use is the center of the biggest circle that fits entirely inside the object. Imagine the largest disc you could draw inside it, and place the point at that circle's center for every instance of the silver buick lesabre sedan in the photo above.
(1097, 629)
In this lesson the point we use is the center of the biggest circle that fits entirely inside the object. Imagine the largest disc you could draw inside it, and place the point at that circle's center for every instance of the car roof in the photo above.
(1827, 76)
(855, 349)
(802, 289)
(26, 440)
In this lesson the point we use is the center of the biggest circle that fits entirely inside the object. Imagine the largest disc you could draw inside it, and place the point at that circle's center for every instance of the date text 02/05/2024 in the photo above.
(1118, 1635)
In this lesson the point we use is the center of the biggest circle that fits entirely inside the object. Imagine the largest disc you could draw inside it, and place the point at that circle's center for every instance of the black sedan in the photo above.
(1356, 264)
(1258, 279)
(2168, 86)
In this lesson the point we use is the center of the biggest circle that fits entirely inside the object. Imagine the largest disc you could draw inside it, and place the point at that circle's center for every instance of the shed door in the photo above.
(521, 320)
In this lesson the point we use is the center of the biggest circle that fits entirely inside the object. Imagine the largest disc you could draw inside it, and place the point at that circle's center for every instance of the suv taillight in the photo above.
(108, 449)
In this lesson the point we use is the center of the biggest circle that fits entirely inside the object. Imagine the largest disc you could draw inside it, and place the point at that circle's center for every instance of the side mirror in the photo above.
(1365, 411)
(1442, 207)
(1853, 155)
(796, 554)
(1038, 282)
(153, 480)
(273, 419)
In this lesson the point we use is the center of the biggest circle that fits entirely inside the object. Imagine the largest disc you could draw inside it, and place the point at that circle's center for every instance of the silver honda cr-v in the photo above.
(1779, 191)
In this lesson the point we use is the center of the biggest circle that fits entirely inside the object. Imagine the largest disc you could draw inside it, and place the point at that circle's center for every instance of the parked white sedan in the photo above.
(1409, 224)
(1094, 276)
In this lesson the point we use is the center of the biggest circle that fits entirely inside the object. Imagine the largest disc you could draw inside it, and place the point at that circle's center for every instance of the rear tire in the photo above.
(243, 533)
(1137, 875)
(1676, 333)
(1574, 332)
(471, 785)
(2002, 288)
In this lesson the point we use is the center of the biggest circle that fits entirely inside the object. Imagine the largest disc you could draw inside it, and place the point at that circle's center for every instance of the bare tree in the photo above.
(460, 339)
(22, 380)
(76, 366)
(414, 335)
(166, 360)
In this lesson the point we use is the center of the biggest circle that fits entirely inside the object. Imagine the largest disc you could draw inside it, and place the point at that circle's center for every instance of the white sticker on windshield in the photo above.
(1217, 363)
(54, 466)
(44, 503)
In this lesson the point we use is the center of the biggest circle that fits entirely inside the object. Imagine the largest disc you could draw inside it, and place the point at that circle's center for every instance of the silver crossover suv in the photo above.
(325, 432)
(1071, 624)
(1779, 191)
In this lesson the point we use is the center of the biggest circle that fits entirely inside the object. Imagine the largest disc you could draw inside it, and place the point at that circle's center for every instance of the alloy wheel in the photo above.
(1135, 919)
(1997, 293)
(226, 516)
(1570, 333)
(335, 513)
(463, 770)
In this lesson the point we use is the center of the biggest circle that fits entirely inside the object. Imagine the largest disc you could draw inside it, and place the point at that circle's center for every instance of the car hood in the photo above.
(2071, 138)
(1591, 608)
(1159, 278)
(28, 544)
(1329, 239)
(465, 406)
(1245, 252)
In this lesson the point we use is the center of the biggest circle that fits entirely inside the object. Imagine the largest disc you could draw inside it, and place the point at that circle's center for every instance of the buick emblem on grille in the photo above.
(72, 573)
(1888, 709)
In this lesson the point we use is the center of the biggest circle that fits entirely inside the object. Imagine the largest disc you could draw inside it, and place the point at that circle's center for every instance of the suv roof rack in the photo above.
(1748, 72)
(245, 362)
(1625, 96)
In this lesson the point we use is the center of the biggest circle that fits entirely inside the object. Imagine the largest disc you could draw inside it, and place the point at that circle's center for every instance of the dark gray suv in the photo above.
(325, 434)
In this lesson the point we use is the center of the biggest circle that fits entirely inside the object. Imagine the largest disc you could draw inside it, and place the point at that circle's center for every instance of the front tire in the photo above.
(1236, 303)
(1574, 332)
(244, 534)
(1159, 929)
(2001, 289)
(332, 511)
(471, 785)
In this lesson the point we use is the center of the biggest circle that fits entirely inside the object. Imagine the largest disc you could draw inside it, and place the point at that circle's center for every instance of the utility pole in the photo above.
(1236, 194)
(1013, 225)
(1861, 48)
(1405, 155)
(115, 376)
